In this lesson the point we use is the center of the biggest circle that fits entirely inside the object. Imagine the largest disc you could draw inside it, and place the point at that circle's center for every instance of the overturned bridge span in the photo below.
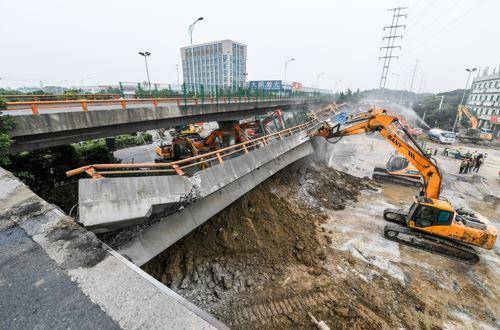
(180, 202)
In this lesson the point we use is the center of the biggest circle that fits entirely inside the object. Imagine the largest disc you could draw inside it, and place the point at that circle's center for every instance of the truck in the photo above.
(441, 136)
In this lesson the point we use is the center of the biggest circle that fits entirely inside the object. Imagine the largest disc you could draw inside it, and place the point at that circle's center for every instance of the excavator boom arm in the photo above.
(382, 122)
(473, 120)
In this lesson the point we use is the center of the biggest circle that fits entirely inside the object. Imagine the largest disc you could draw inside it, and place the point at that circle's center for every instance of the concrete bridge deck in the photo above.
(179, 203)
(54, 124)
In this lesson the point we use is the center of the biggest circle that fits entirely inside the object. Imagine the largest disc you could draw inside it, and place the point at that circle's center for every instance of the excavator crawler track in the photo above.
(426, 242)
(395, 215)
(381, 174)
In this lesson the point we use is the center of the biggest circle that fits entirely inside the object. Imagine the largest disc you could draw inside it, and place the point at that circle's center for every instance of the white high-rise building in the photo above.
(484, 99)
(219, 63)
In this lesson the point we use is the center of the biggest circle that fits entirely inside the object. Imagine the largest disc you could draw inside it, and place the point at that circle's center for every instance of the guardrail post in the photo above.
(219, 158)
(124, 104)
(245, 149)
(84, 106)
(178, 170)
(34, 109)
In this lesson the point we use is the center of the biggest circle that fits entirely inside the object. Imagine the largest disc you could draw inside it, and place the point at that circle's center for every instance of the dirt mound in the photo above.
(261, 262)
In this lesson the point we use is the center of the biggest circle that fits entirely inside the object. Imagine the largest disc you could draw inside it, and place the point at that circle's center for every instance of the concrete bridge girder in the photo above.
(52, 129)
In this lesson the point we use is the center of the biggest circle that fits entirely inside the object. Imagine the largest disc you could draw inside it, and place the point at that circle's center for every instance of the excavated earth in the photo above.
(309, 241)
(260, 262)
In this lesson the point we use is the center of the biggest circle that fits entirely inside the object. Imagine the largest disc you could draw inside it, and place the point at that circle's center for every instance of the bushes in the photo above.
(6, 125)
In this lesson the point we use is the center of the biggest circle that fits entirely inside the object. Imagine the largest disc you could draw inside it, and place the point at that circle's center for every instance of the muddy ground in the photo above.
(310, 240)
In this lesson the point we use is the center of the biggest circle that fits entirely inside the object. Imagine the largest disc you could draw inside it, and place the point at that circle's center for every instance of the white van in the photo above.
(438, 135)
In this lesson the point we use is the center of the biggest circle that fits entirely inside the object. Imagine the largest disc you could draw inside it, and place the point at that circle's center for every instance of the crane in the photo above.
(431, 223)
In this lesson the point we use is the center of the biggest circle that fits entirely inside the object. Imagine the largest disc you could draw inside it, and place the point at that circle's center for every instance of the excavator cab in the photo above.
(398, 170)
(399, 165)
(425, 213)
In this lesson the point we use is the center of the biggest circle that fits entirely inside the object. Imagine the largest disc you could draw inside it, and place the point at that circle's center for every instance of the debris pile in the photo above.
(261, 261)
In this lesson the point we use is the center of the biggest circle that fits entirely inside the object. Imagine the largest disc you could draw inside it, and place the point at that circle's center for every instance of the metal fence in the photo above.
(192, 164)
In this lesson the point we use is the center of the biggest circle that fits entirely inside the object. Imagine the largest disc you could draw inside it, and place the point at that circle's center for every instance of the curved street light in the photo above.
(317, 78)
(190, 31)
(463, 95)
(146, 55)
(286, 67)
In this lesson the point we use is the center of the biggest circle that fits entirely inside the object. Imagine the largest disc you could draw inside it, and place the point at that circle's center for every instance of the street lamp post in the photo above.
(146, 55)
(190, 31)
(336, 83)
(286, 67)
(317, 78)
(463, 95)
(441, 103)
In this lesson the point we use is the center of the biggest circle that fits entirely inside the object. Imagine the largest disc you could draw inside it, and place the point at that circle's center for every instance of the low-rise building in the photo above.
(484, 99)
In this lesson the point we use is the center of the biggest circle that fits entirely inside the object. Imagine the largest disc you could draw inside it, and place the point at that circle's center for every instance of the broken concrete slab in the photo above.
(110, 203)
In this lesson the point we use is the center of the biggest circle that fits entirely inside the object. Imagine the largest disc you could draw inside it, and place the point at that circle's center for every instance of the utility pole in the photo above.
(412, 80)
(391, 37)
(420, 83)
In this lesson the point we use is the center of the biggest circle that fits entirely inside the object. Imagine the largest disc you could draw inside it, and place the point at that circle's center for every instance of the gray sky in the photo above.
(63, 42)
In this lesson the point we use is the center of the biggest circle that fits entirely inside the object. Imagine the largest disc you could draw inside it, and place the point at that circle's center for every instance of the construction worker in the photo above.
(429, 152)
(468, 165)
(478, 163)
(463, 163)
(458, 153)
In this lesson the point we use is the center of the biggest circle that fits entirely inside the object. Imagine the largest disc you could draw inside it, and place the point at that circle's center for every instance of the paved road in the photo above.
(36, 293)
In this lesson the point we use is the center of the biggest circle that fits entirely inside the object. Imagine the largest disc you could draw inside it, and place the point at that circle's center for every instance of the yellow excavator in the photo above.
(472, 134)
(398, 169)
(431, 223)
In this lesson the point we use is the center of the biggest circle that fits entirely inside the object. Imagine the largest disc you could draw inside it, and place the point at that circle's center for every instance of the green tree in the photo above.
(444, 118)
(6, 125)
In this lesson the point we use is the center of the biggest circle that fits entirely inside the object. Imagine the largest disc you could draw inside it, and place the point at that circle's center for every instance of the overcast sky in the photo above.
(67, 42)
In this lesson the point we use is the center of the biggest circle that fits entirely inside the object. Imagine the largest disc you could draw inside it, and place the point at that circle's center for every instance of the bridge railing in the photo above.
(192, 164)
(84, 104)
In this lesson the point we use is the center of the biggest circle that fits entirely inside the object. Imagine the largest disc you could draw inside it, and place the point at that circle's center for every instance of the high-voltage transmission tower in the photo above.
(391, 37)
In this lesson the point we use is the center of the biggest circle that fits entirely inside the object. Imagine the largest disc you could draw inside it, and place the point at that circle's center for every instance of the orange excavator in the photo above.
(431, 223)
(189, 145)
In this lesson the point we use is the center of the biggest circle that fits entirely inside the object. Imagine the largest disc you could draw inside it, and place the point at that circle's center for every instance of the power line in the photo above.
(421, 14)
(389, 47)
(434, 35)
(413, 7)
(439, 18)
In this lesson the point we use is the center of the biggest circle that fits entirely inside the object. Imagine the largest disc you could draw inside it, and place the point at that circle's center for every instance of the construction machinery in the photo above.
(398, 170)
(472, 134)
(431, 223)
(187, 141)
